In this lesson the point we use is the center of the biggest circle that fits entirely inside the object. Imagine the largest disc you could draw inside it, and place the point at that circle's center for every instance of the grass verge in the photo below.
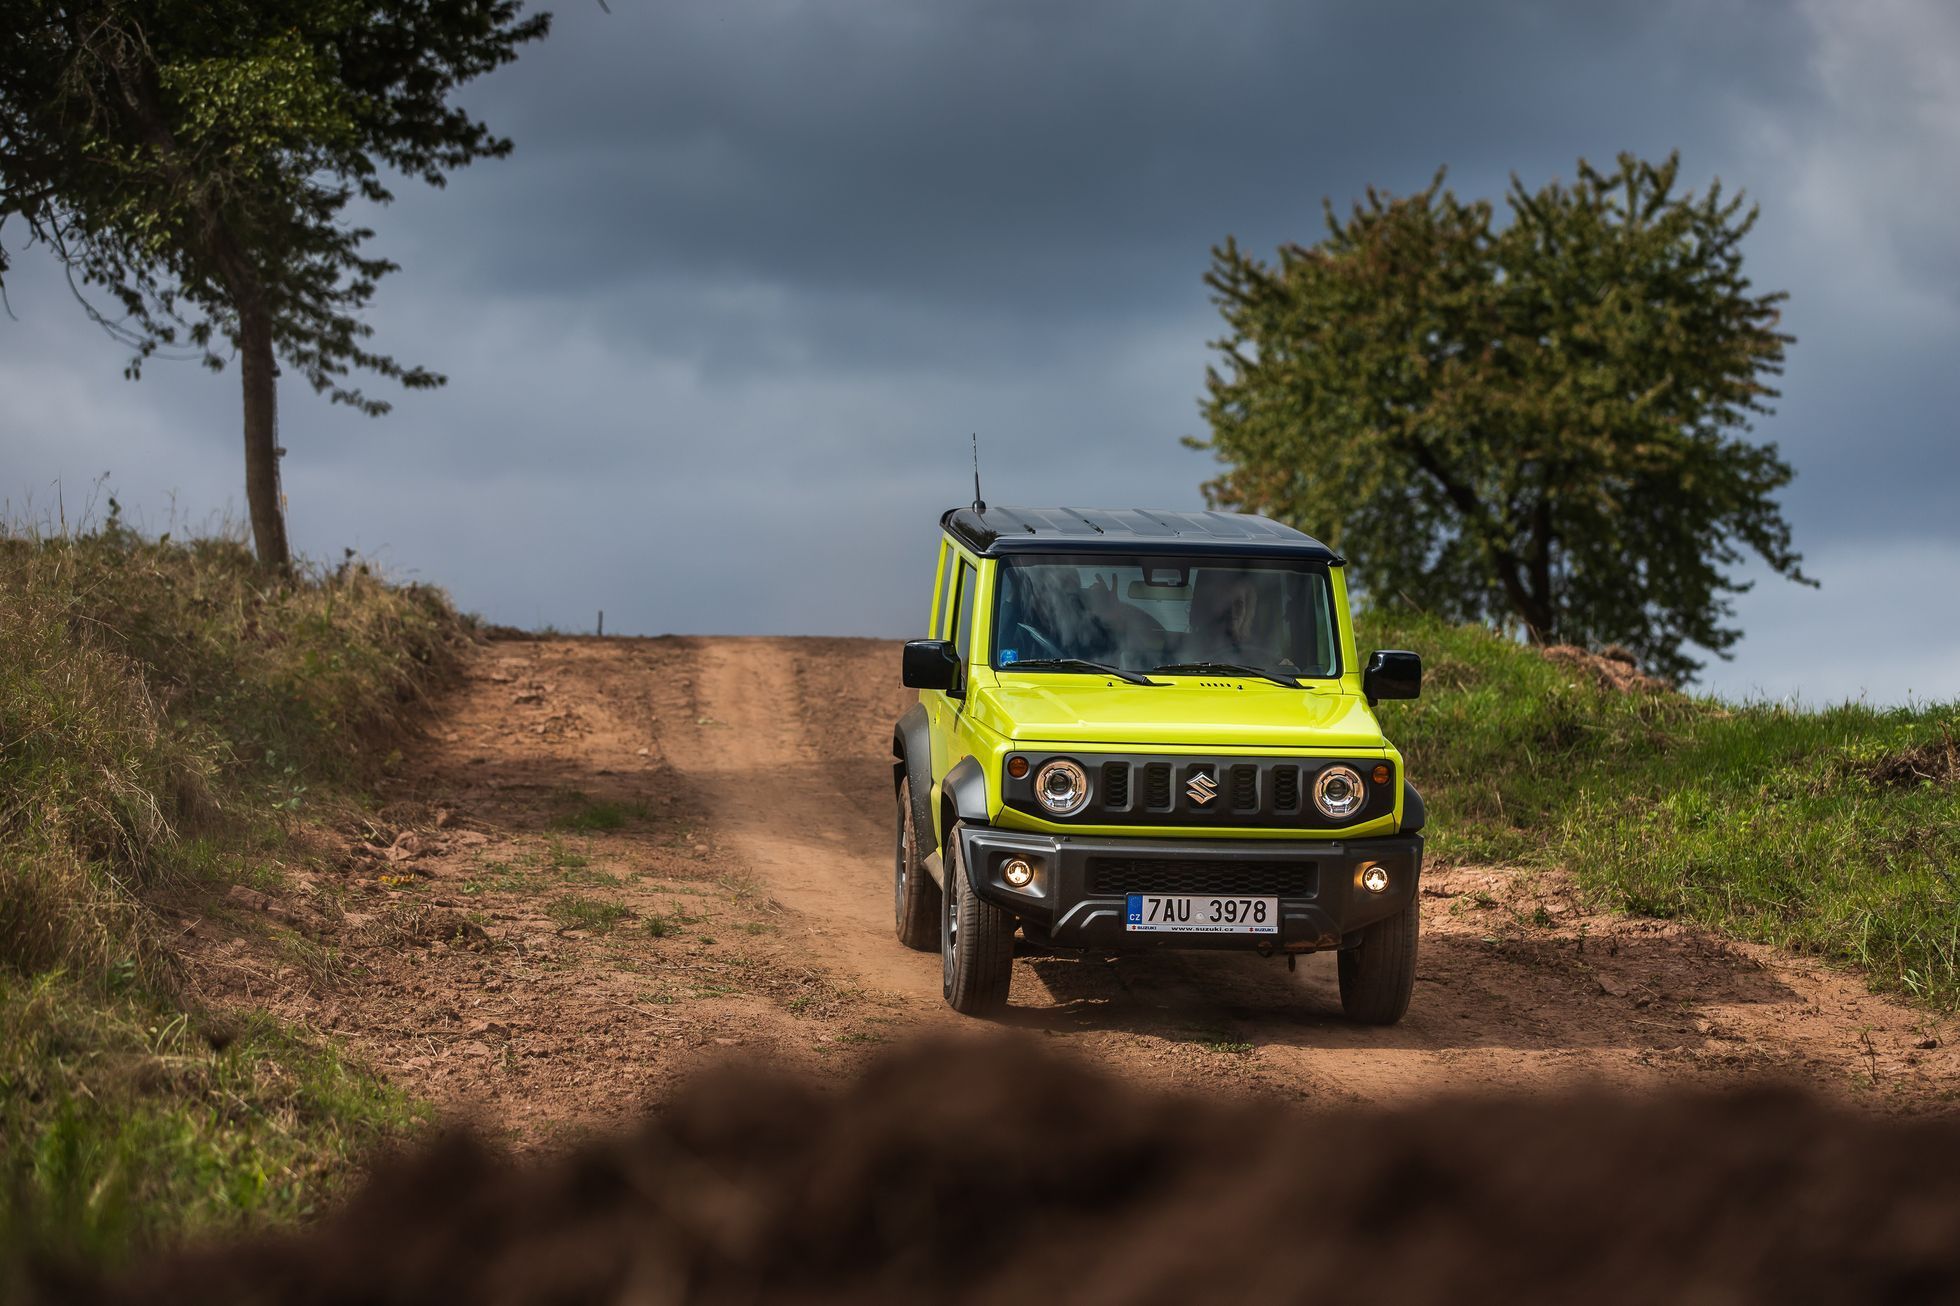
(165, 710)
(1834, 832)
(130, 1121)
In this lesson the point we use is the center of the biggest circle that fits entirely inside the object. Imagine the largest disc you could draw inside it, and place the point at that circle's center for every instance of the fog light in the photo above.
(1017, 872)
(1374, 877)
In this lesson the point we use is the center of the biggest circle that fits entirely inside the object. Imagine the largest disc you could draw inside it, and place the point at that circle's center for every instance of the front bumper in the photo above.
(1079, 897)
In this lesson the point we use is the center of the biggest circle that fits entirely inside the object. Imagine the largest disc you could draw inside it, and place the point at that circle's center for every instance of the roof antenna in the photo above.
(979, 504)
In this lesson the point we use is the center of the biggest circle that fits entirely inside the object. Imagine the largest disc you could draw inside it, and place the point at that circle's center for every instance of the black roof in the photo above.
(993, 531)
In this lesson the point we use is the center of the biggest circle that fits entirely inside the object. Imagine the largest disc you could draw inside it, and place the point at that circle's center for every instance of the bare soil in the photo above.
(994, 1171)
(614, 862)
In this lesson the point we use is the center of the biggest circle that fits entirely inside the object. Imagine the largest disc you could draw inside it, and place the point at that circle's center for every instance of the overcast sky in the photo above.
(717, 331)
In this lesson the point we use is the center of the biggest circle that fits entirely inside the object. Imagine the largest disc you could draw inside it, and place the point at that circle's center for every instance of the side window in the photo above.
(942, 608)
(963, 628)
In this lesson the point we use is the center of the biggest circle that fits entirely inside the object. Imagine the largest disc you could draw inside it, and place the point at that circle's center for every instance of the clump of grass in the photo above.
(599, 814)
(668, 924)
(744, 888)
(1834, 832)
(575, 911)
(1228, 1048)
(561, 856)
(593, 878)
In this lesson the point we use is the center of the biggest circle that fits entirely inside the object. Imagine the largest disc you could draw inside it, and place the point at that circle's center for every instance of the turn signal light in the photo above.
(1381, 773)
(1017, 767)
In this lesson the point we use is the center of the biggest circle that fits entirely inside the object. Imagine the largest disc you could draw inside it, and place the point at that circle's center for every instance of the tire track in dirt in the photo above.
(788, 796)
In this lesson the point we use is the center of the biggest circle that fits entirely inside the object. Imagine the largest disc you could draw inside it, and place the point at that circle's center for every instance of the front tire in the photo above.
(976, 942)
(1379, 973)
(915, 898)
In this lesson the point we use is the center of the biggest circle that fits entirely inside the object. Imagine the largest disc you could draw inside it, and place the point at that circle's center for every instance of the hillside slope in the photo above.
(169, 722)
(1833, 832)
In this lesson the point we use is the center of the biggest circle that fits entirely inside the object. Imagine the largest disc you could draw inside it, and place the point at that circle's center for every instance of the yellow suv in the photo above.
(1143, 729)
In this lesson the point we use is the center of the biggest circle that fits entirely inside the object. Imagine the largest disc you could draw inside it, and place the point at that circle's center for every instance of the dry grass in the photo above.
(164, 709)
(153, 690)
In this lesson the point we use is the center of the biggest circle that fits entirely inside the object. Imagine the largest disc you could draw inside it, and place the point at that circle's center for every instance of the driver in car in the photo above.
(1225, 619)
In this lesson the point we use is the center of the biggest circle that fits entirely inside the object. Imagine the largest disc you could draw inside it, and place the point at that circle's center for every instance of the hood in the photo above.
(1184, 712)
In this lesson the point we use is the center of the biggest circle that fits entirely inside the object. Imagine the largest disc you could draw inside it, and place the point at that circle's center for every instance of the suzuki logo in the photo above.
(1202, 789)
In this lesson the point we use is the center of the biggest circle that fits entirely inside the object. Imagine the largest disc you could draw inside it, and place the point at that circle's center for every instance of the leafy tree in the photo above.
(194, 161)
(1541, 423)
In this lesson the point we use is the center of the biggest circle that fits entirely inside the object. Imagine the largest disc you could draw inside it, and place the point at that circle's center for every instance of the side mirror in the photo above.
(932, 664)
(1391, 673)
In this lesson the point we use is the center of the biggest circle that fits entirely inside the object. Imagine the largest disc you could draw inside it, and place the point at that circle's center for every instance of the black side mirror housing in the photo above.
(932, 664)
(1391, 673)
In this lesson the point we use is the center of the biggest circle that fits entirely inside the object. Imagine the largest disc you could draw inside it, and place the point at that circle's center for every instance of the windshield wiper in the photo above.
(1228, 669)
(1082, 664)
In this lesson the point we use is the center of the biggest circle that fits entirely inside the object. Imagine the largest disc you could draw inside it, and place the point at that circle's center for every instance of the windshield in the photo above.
(1170, 616)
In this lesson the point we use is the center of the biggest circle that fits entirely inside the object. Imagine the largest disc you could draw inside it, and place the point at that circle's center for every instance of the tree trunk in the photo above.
(1535, 610)
(1539, 617)
(256, 366)
(1541, 611)
(259, 373)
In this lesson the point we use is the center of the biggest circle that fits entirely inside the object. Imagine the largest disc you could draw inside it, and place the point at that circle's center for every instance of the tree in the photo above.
(195, 160)
(1541, 424)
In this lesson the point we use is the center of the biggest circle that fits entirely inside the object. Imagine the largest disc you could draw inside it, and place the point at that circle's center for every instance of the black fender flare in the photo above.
(962, 796)
(1414, 814)
(912, 760)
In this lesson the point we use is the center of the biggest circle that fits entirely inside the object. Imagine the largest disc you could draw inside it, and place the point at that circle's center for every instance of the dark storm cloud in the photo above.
(753, 259)
(1076, 156)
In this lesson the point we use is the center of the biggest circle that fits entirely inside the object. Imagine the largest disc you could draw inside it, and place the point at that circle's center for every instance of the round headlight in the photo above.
(1062, 787)
(1338, 792)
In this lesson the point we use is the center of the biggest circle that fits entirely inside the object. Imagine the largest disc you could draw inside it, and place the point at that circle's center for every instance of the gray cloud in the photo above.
(753, 259)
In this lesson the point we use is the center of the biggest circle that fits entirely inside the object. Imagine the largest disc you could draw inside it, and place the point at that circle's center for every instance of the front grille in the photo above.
(1245, 788)
(1229, 792)
(1116, 785)
(1114, 875)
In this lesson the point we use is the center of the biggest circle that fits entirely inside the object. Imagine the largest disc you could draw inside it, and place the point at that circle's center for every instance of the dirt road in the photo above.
(616, 860)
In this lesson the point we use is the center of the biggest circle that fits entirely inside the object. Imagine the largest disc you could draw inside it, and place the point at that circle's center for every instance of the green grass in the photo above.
(165, 711)
(595, 814)
(1835, 832)
(663, 925)
(136, 1123)
(559, 856)
(1228, 1048)
(575, 911)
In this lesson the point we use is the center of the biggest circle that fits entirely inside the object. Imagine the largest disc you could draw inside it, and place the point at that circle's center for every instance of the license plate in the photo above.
(1202, 913)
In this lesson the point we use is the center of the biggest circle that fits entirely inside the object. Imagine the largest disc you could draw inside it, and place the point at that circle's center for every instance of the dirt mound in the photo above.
(1611, 668)
(1936, 761)
(991, 1172)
